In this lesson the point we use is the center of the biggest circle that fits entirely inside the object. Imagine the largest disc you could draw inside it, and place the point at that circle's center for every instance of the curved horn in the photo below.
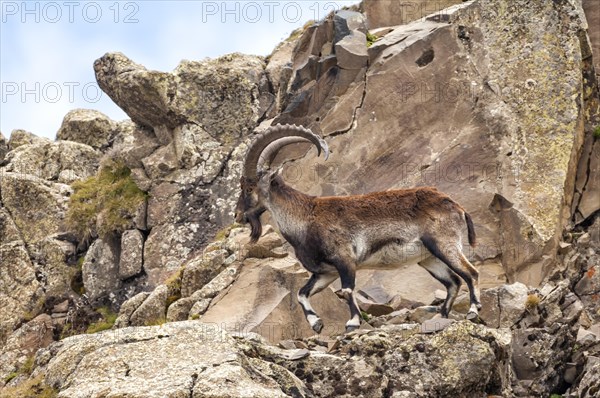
(270, 152)
(265, 147)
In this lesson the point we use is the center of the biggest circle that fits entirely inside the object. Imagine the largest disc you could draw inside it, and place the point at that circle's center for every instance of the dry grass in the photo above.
(30, 388)
(532, 301)
(105, 203)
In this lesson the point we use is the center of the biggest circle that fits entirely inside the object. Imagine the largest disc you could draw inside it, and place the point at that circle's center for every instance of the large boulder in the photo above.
(263, 300)
(132, 250)
(175, 360)
(482, 159)
(221, 95)
(88, 127)
(400, 362)
(153, 310)
(62, 161)
(100, 269)
(133, 143)
(37, 206)
(21, 137)
(19, 288)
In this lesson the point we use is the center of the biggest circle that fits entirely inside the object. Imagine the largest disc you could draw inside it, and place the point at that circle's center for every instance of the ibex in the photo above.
(336, 236)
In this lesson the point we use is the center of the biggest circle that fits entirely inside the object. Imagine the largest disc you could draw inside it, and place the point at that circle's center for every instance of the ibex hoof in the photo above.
(318, 326)
(473, 317)
(351, 328)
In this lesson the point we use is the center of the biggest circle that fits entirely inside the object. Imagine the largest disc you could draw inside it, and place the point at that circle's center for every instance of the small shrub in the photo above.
(105, 203)
(371, 38)
(173, 284)
(365, 316)
(107, 321)
(224, 233)
(597, 132)
(77, 277)
(25, 369)
(532, 301)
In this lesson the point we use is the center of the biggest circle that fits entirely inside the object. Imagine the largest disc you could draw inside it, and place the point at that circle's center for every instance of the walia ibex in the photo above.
(336, 236)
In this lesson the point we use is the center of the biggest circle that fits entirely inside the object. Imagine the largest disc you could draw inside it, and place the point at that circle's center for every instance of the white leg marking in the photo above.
(312, 319)
(303, 300)
(473, 309)
(354, 322)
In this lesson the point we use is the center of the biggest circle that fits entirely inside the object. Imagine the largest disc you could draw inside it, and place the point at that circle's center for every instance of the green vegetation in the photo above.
(25, 369)
(365, 316)
(105, 203)
(371, 38)
(31, 388)
(224, 233)
(107, 321)
(597, 132)
(556, 396)
(77, 277)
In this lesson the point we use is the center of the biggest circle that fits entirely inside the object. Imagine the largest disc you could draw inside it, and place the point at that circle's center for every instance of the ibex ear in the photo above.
(261, 173)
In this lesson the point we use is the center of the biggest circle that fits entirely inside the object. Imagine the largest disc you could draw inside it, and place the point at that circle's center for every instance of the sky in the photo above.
(48, 48)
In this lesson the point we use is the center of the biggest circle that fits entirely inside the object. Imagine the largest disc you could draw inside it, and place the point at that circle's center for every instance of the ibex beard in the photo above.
(333, 237)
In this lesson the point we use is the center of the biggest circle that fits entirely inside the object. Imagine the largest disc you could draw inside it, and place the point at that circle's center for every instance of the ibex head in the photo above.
(257, 177)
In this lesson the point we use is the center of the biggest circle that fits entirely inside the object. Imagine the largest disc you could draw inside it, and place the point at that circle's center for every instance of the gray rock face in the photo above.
(132, 249)
(100, 269)
(3, 146)
(133, 143)
(19, 288)
(351, 51)
(128, 308)
(487, 97)
(219, 95)
(37, 206)
(22, 137)
(541, 339)
(504, 305)
(166, 249)
(390, 13)
(186, 148)
(62, 161)
(201, 270)
(589, 385)
(153, 310)
(345, 22)
(23, 343)
(179, 359)
(88, 127)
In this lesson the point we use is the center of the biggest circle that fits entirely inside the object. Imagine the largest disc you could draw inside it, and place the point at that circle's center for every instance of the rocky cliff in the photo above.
(128, 225)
